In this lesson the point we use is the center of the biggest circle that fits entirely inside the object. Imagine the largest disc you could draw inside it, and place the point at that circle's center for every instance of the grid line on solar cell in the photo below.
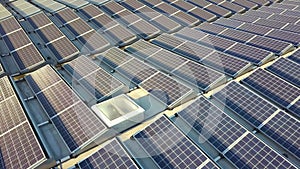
(11, 115)
(38, 20)
(27, 57)
(112, 155)
(114, 57)
(250, 152)
(49, 33)
(9, 25)
(6, 89)
(63, 49)
(57, 98)
(212, 124)
(287, 70)
(41, 79)
(245, 103)
(166, 89)
(100, 83)
(20, 148)
(272, 87)
(198, 75)
(77, 125)
(295, 57)
(168, 147)
(16, 40)
(136, 71)
(66, 15)
(225, 63)
(285, 130)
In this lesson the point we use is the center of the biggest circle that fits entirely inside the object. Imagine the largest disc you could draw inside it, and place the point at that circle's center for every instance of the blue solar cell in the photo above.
(295, 108)
(286, 69)
(295, 57)
(272, 87)
(285, 130)
(212, 124)
(245, 103)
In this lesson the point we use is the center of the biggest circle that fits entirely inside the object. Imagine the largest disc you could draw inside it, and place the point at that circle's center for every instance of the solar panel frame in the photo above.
(111, 155)
(272, 87)
(287, 70)
(194, 156)
(212, 124)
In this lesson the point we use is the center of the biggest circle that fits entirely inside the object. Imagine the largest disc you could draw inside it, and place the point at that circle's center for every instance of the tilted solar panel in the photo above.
(166, 89)
(287, 70)
(90, 11)
(246, 4)
(38, 20)
(93, 41)
(168, 147)
(9, 25)
(213, 125)
(16, 40)
(63, 49)
(272, 87)
(245, 103)
(49, 33)
(78, 27)
(228, 23)
(111, 155)
(295, 57)
(295, 108)
(114, 57)
(66, 15)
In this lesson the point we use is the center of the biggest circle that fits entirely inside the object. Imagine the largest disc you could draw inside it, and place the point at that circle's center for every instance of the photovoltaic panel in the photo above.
(212, 124)
(111, 155)
(168, 147)
(291, 2)
(20, 148)
(93, 41)
(78, 27)
(285, 131)
(216, 42)
(63, 49)
(49, 33)
(292, 28)
(9, 25)
(295, 57)
(27, 57)
(261, 2)
(244, 18)
(245, 103)
(228, 23)
(231, 6)
(78, 125)
(295, 108)
(66, 15)
(270, 9)
(121, 35)
(90, 11)
(272, 87)
(217, 10)
(211, 28)
(198, 75)
(291, 13)
(256, 29)
(260, 155)
(287, 70)
(284, 18)
(114, 57)
(284, 6)
(16, 40)
(246, 4)
(136, 71)
(270, 23)
(258, 14)
(225, 63)
(143, 49)
(290, 37)
(38, 20)
(166, 89)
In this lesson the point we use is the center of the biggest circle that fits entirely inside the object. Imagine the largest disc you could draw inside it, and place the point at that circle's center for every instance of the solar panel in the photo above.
(245, 103)
(143, 49)
(198, 75)
(78, 27)
(57, 98)
(246, 4)
(292, 28)
(9, 25)
(244, 18)
(111, 155)
(228, 23)
(295, 57)
(6, 89)
(27, 57)
(66, 15)
(94, 41)
(63, 49)
(291, 2)
(16, 40)
(166, 89)
(258, 14)
(284, 18)
(256, 29)
(250, 152)
(212, 124)
(114, 57)
(270, 9)
(261, 2)
(290, 37)
(136, 71)
(144, 29)
(217, 10)
(232, 7)
(38, 20)
(295, 108)
(20, 148)
(272, 87)
(291, 13)
(284, 6)
(211, 28)
(270, 23)
(50, 33)
(168, 147)
(225, 63)
(121, 35)
(287, 70)
(90, 11)
(285, 131)
(104, 22)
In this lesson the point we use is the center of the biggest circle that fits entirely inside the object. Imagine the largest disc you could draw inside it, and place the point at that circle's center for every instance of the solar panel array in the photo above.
(229, 138)
(94, 79)
(168, 147)
(74, 121)
(18, 142)
(22, 50)
(155, 18)
(111, 155)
